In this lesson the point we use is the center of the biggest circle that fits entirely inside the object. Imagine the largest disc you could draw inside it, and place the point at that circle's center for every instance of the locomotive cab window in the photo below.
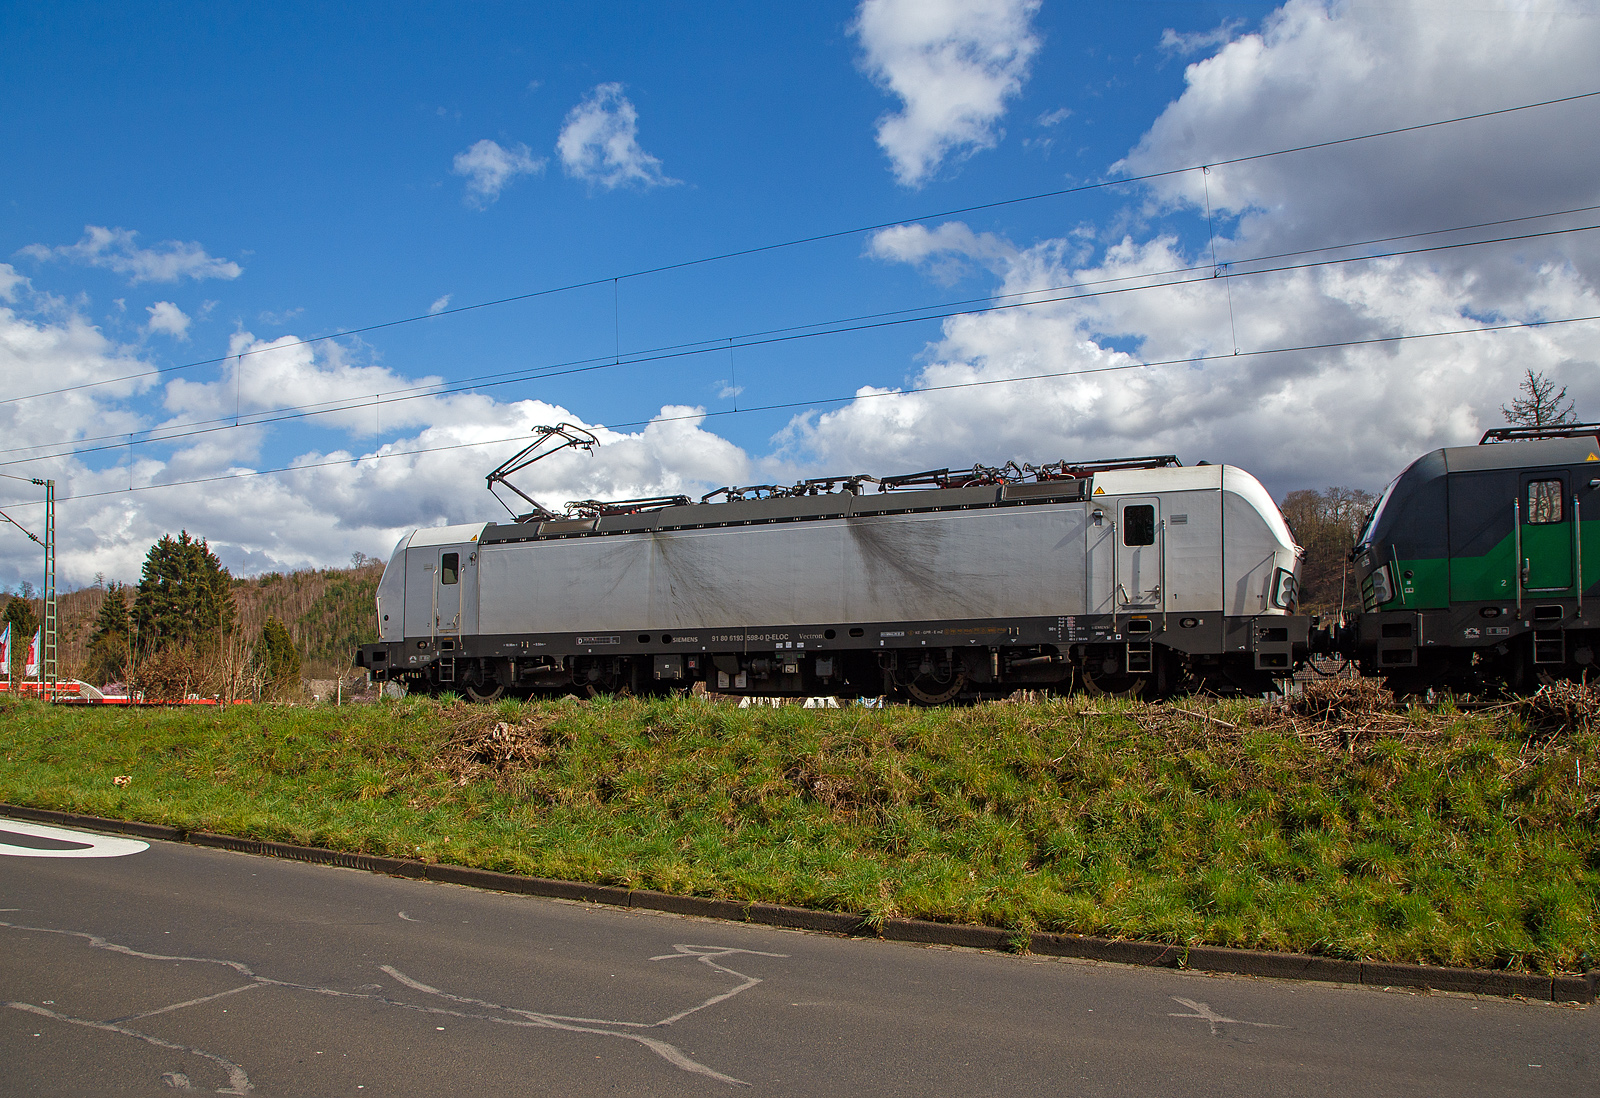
(449, 568)
(1139, 524)
(1544, 502)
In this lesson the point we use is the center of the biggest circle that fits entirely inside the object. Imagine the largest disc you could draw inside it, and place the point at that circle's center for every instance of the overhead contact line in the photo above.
(787, 405)
(796, 332)
(814, 239)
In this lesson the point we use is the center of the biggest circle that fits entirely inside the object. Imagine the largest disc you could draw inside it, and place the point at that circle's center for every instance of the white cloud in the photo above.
(10, 281)
(115, 250)
(1198, 41)
(440, 304)
(953, 64)
(490, 168)
(168, 318)
(1341, 415)
(276, 319)
(1315, 73)
(1353, 414)
(942, 253)
(339, 499)
(599, 143)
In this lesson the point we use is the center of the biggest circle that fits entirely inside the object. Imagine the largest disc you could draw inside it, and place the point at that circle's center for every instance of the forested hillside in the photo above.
(328, 612)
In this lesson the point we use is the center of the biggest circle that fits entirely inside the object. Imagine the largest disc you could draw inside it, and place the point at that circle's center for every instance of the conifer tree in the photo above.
(20, 613)
(185, 596)
(110, 644)
(277, 656)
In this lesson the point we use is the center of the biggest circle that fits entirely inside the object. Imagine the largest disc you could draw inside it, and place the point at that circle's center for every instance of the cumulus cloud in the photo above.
(415, 457)
(167, 318)
(1198, 41)
(1342, 414)
(943, 253)
(490, 168)
(10, 282)
(599, 143)
(1056, 380)
(953, 64)
(116, 250)
(1314, 73)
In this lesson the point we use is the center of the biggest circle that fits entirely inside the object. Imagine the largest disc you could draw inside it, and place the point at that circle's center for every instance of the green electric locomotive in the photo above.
(1475, 565)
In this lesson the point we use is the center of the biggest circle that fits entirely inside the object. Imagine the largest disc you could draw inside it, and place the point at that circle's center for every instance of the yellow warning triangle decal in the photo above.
(1099, 491)
(1592, 457)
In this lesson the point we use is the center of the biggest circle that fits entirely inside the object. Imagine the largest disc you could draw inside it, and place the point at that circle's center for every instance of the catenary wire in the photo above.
(848, 325)
(786, 405)
(816, 238)
(926, 312)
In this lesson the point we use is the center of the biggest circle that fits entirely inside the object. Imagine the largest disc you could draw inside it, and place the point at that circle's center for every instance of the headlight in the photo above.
(1382, 585)
(1285, 590)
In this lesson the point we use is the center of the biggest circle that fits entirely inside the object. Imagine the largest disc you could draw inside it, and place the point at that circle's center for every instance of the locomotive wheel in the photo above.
(485, 693)
(1114, 685)
(927, 690)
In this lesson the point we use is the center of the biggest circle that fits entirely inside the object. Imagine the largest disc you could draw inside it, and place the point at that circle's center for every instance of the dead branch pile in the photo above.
(485, 748)
(1340, 701)
(1336, 713)
(1562, 706)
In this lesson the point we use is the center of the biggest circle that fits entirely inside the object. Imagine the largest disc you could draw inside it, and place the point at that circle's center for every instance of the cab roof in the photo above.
(1521, 455)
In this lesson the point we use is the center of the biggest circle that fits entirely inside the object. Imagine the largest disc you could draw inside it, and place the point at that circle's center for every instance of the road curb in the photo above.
(1218, 959)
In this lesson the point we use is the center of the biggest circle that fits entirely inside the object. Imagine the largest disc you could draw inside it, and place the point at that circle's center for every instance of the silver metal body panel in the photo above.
(1021, 561)
(392, 595)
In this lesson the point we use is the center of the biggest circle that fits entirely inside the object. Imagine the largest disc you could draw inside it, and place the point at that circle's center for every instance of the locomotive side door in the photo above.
(447, 605)
(1100, 557)
(421, 566)
(1545, 533)
(1139, 549)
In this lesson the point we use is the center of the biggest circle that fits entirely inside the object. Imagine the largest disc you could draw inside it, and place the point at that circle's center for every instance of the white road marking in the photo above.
(189, 1003)
(668, 1052)
(1212, 1018)
(408, 918)
(238, 1081)
(90, 846)
(524, 1018)
(704, 954)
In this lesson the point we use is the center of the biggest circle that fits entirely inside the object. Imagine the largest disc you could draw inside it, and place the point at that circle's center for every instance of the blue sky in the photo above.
(187, 182)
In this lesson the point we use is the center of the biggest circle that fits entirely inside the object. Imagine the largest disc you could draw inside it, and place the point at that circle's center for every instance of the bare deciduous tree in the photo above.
(1326, 525)
(1540, 405)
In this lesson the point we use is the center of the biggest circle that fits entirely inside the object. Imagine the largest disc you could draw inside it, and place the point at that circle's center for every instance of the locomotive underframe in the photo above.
(1478, 645)
(926, 661)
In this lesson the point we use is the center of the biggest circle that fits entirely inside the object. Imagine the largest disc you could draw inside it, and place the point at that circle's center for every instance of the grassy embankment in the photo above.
(1450, 838)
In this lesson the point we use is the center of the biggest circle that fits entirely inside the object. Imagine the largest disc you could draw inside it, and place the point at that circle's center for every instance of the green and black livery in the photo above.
(1479, 564)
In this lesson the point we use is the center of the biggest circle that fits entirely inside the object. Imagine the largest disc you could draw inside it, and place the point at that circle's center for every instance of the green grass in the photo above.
(1475, 845)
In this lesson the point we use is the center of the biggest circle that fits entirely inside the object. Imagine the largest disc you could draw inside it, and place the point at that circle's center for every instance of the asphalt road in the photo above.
(166, 967)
